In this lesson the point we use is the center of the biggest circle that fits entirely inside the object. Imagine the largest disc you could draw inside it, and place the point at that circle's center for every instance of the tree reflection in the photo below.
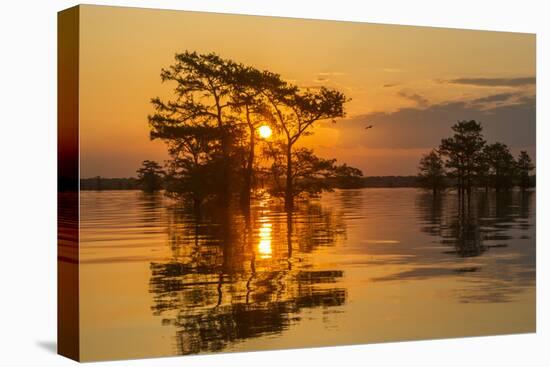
(150, 207)
(235, 276)
(464, 234)
(431, 212)
(474, 229)
(492, 221)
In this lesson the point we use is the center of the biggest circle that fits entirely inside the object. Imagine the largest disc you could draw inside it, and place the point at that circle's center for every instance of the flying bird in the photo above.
(368, 127)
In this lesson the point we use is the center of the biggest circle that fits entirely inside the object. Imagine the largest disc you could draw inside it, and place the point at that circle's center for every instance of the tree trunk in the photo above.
(461, 193)
(289, 196)
(226, 174)
(248, 178)
(468, 190)
(289, 238)
(197, 205)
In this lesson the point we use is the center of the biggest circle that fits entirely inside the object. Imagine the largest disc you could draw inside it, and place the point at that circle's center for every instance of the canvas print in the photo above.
(240, 183)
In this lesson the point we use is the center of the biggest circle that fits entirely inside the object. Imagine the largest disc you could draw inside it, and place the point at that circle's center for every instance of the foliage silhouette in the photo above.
(500, 167)
(524, 167)
(210, 129)
(462, 154)
(432, 171)
(198, 124)
(294, 113)
(466, 160)
(150, 176)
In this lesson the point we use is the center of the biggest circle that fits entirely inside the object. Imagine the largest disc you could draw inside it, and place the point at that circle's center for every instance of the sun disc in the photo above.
(265, 131)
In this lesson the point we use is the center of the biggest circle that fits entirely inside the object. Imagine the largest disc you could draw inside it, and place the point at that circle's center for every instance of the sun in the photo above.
(264, 131)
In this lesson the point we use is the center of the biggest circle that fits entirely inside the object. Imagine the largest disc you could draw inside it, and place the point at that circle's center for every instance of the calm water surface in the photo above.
(353, 266)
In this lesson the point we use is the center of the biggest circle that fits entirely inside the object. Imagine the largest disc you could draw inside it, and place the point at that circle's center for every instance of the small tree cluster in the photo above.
(466, 159)
(432, 171)
(310, 174)
(150, 176)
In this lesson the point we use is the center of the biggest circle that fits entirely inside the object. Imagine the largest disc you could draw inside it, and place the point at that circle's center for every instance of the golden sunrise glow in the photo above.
(116, 83)
(264, 131)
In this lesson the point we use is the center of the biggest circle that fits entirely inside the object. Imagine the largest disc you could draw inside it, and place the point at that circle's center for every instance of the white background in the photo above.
(28, 182)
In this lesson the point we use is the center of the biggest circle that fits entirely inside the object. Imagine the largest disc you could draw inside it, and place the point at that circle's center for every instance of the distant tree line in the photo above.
(334, 182)
(102, 183)
(468, 162)
(390, 181)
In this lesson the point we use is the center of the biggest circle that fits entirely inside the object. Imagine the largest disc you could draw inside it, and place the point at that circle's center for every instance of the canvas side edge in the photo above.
(68, 328)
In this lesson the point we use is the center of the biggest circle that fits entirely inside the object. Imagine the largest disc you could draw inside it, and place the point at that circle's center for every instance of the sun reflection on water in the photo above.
(264, 245)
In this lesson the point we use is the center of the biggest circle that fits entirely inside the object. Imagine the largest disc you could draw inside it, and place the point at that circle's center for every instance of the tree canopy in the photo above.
(210, 127)
(468, 161)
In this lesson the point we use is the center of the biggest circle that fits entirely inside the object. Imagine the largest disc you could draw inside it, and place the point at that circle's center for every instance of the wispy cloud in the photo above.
(500, 97)
(325, 76)
(320, 79)
(332, 73)
(493, 82)
(417, 98)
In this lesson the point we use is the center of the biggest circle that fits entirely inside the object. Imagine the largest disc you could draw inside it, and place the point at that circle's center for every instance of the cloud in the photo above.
(493, 82)
(500, 97)
(332, 73)
(416, 98)
(424, 127)
(324, 76)
(529, 99)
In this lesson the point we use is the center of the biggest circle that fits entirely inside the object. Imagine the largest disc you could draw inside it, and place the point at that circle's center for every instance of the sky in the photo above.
(410, 83)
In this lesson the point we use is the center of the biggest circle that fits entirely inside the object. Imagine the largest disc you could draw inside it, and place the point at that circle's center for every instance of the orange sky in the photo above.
(411, 83)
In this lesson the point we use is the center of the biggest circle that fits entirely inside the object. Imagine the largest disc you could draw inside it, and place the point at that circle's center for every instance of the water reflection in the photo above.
(154, 275)
(232, 276)
(491, 220)
(500, 222)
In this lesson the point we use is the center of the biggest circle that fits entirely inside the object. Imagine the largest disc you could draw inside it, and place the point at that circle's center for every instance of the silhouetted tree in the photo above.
(463, 154)
(432, 171)
(347, 176)
(471, 162)
(248, 102)
(192, 173)
(204, 83)
(500, 166)
(295, 112)
(524, 167)
(150, 176)
(309, 173)
(210, 126)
